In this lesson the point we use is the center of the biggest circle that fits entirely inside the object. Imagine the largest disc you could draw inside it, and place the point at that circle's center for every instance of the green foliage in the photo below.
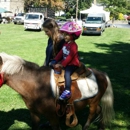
(68, 15)
(70, 6)
(116, 6)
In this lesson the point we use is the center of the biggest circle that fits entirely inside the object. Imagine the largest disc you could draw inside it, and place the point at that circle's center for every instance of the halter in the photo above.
(1, 79)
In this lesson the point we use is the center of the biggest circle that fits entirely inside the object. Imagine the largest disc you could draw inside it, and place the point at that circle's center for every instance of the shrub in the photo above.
(120, 16)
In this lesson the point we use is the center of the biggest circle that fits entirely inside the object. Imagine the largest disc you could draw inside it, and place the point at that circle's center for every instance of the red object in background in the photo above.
(128, 18)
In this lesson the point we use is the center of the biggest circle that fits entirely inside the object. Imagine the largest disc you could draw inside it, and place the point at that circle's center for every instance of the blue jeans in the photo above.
(68, 72)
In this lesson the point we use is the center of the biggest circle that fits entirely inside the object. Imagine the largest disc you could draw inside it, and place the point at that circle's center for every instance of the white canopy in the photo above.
(95, 9)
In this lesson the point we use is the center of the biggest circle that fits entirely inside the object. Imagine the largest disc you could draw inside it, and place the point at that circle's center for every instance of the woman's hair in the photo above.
(53, 27)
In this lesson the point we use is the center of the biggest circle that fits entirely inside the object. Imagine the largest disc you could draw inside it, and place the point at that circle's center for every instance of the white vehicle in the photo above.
(95, 23)
(33, 21)
(19, 18)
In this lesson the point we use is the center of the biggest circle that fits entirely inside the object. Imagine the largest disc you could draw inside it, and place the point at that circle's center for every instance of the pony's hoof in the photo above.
(45, 125)
(85, 128)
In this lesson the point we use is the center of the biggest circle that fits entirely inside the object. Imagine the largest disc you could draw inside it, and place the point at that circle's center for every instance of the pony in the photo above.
(33, 83)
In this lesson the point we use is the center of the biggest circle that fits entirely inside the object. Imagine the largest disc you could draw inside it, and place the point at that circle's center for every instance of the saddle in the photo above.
(80, 72)
(67, 107)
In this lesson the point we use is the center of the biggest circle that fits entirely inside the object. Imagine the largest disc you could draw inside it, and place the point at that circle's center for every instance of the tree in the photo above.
(68, 6)
(56, 4)
(115, 6)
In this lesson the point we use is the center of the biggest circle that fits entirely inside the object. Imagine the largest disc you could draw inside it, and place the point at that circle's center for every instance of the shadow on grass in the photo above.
(116, 63)
(32, 30)
(10, 117)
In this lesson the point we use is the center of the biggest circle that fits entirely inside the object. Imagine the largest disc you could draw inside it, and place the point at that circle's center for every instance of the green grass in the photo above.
(109, 53)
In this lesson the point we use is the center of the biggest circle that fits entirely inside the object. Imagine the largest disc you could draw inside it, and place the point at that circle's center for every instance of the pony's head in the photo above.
(10, 64)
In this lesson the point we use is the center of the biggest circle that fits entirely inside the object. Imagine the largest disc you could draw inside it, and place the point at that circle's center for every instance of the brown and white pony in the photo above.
(33, 83)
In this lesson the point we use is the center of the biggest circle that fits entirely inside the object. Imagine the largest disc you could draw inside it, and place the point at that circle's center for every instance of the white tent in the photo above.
(59, 13)
(92, 9)
(85, 11)
(96, 9)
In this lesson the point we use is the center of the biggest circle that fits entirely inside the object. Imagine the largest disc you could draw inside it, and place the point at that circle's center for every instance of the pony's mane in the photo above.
(11, 63)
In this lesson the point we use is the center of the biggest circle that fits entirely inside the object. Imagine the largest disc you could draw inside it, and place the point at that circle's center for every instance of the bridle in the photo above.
(1, 79)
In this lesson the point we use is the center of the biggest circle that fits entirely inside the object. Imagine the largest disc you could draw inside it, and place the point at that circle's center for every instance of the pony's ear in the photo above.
(1, 62)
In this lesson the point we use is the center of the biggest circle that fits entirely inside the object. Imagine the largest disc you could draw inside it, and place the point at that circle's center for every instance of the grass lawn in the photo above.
(109, 53)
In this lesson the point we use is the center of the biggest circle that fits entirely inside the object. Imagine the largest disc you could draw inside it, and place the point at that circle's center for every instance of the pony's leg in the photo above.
(56, 128)
(96, 118)
(54, 121)
(92, 113)
(101, 125)
(99, 118)
(35, 121)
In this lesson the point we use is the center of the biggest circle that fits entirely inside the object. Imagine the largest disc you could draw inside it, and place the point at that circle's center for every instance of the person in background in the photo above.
(55, 39)
(113, 20)
(14, 14)
(68, 58)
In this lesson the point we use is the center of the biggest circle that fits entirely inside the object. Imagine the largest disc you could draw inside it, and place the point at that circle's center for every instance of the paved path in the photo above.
(119, 24)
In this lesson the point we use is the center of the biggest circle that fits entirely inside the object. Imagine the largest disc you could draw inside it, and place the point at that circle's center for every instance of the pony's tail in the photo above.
(107, 104)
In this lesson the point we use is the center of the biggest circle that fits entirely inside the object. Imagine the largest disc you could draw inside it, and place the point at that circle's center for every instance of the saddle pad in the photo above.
(88, 86)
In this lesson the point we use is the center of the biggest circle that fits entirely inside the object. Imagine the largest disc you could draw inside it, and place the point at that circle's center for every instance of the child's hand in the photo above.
(52, 63)
(58, 65)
